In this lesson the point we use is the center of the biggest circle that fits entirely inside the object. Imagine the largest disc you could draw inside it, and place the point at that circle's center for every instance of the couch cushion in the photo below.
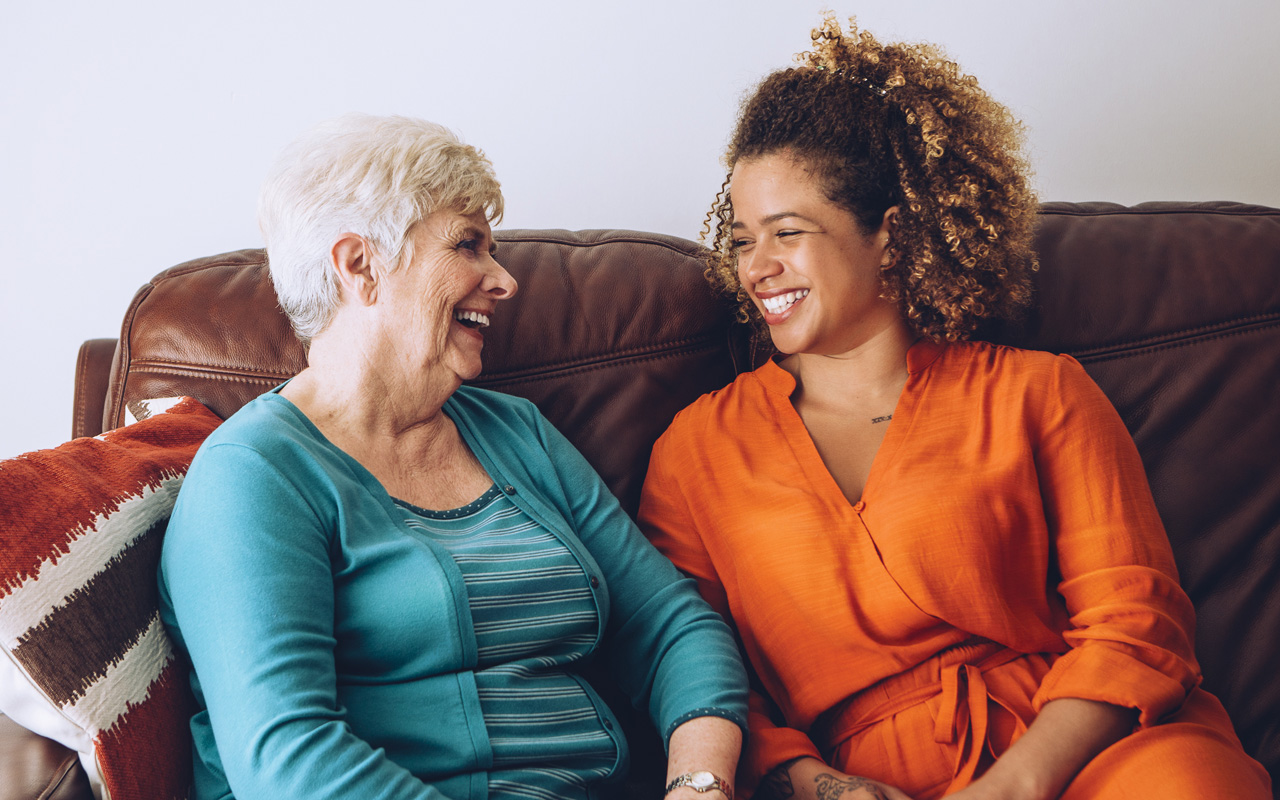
(86, 660)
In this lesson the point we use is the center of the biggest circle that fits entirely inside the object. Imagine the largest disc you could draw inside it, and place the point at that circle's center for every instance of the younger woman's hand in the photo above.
(810, 779)
(838, 786)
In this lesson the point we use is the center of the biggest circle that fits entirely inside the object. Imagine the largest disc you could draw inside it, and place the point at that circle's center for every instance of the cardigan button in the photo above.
(595, 582)
(859, 506)
(509, 489)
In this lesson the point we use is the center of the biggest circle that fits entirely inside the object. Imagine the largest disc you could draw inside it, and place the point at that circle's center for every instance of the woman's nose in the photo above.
(498, 282)
(759, 264)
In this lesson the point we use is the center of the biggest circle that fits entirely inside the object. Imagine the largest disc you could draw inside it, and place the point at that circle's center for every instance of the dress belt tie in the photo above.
(963, 716)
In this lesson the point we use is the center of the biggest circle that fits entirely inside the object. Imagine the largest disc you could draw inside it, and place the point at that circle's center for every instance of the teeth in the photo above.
(472, 316)
(780, 303)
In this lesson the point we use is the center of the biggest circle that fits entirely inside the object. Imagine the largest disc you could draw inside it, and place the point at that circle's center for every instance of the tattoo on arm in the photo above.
(885, 418)
(777, 784)
(831, 788)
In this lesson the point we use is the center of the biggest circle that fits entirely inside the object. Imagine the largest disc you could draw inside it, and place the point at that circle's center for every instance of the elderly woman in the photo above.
(387, 581)
(941, 555)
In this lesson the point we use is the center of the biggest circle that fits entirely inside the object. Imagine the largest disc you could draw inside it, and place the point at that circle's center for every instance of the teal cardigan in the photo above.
(333, 649)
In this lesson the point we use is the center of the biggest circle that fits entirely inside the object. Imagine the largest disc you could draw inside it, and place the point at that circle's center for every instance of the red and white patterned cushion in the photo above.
(86, 660)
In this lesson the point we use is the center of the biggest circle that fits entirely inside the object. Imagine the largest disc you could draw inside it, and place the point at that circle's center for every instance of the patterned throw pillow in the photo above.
(86, 660)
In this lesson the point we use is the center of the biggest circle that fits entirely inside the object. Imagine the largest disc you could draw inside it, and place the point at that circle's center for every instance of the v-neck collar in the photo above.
(920, 356)
(781, 384)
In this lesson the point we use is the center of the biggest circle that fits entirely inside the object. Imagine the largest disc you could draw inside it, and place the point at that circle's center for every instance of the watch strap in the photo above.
(701, 781)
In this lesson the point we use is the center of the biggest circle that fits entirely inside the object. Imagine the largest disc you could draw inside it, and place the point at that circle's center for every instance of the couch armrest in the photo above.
(36, 768)
(93, 370)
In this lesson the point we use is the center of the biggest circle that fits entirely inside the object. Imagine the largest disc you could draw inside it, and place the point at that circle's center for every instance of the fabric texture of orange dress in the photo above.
(1006, 552)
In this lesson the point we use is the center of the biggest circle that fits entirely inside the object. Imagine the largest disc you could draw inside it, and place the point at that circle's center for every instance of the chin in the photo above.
(467, 366)
(782, 344)
(469, 371)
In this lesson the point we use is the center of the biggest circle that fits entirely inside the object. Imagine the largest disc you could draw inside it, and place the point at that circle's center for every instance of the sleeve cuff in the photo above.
(1099, 672)
(722, 713)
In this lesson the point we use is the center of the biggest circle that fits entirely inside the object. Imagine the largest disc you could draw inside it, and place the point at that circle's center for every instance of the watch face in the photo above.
(702, 780)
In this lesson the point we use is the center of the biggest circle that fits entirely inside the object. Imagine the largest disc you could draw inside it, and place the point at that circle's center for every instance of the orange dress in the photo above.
(1006, 551)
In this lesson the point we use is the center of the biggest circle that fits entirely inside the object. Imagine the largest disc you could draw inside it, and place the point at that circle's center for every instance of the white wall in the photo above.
(133, 136)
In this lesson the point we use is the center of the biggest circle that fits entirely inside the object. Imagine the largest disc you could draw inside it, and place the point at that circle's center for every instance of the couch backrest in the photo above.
(611, 333)
(1173, 308)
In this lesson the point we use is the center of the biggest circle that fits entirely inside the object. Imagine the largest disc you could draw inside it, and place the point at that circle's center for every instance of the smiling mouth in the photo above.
(776, 305)
(472, 319)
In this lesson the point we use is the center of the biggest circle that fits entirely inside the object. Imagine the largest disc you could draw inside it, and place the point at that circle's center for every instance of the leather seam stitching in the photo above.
(1155, 340)
(485, 380)
(159, 365)
(81, 399)
(124, 354)
(696, 252)
(1172, 345)
(63, 770)
(1156, 212)
(677, 345)
(206, 374)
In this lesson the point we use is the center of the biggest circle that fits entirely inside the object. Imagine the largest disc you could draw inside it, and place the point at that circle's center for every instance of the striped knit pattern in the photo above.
(534, 618)
(80, 533)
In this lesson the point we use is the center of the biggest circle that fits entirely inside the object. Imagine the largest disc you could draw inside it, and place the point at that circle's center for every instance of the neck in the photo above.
(874, 370)
(352, 389)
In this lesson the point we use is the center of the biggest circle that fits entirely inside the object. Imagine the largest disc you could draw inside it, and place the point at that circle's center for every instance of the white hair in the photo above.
(372, 176)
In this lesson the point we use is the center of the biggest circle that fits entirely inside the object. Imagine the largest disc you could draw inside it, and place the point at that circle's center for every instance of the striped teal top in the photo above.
(533, 615)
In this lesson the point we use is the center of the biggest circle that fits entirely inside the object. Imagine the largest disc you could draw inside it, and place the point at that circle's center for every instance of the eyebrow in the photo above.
(775, 217)
(473, 232)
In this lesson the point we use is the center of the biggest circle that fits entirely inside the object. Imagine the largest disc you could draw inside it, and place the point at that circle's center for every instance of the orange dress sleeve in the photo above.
(1131, 625)
(665, 518)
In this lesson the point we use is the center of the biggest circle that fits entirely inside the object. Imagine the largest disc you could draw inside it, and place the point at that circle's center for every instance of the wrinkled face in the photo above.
(804, 261)
(438, 305)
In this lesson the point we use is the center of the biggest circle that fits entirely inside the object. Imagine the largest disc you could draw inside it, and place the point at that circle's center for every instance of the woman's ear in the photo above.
(352, 260)
(890, 220)
(884, 236)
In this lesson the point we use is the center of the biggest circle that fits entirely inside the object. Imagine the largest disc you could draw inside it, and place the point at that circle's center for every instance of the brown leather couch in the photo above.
(1173, 308)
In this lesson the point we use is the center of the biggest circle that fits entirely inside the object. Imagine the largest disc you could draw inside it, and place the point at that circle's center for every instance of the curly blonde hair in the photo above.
(898, 125)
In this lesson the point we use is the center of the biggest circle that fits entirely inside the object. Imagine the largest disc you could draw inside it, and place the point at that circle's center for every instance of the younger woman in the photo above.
(941, 556)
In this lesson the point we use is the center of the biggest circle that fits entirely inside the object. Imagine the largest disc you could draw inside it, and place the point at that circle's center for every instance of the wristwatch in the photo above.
(701, 781)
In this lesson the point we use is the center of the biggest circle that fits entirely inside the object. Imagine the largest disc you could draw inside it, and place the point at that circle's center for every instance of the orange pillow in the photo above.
(87, 661)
